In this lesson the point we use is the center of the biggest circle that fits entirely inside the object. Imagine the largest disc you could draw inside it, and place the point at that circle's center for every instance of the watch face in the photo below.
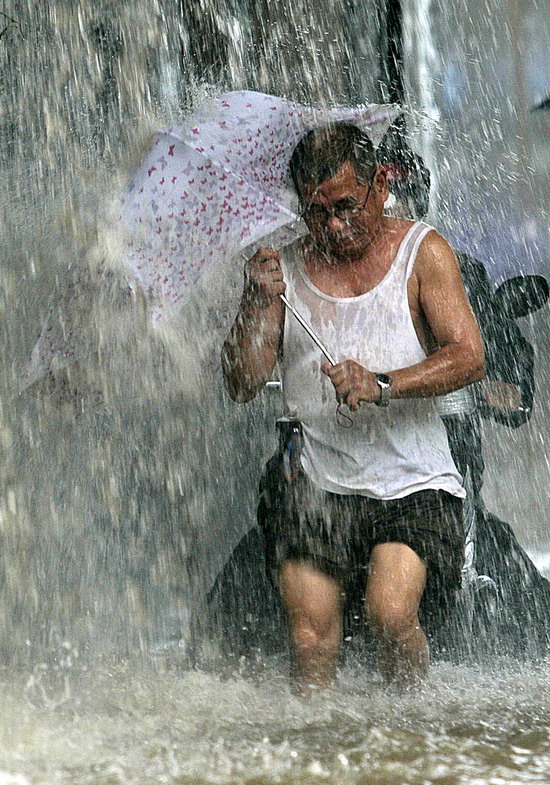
(384, 379)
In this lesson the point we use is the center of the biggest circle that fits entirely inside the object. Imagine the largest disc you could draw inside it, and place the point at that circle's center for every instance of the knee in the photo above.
(393, 621)
(311, 635)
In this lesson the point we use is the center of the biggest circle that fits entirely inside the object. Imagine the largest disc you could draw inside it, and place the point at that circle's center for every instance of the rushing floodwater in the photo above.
(126, 724)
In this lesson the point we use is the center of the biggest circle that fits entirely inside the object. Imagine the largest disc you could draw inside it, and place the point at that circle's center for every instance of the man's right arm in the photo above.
(251, 349)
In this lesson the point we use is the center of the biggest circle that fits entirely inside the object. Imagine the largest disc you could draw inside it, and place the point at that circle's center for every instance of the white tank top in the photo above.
(388, 452)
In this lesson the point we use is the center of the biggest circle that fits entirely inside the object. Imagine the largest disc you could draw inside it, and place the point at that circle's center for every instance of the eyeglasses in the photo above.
(317, 214)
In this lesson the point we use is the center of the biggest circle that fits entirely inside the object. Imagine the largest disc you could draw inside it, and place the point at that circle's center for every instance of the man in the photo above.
(382, 497)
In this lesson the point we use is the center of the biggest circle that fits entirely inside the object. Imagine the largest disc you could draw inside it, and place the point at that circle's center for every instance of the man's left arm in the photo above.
(443, 303)
(437, 294)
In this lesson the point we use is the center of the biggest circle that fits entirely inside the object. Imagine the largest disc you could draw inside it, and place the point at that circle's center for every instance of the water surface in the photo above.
(127, 723)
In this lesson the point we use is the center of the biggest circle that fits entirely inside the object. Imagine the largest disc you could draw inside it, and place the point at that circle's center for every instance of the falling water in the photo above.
(128, 478)
(490, 152)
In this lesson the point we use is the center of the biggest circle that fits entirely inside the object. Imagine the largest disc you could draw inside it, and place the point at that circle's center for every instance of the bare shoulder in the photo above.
(436, 270)
(437, 299)
(436, 253)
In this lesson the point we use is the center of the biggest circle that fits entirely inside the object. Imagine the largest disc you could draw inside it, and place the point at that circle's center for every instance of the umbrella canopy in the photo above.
(207, 191)
(220, 184)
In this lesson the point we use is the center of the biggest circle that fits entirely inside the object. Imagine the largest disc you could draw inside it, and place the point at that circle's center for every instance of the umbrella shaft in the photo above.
(308, 329)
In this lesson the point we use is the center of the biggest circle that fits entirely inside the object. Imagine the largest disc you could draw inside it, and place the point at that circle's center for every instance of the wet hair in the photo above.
(408, 176)
(321, 153)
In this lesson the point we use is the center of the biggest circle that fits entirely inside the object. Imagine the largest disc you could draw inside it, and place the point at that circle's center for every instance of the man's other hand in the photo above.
(354, 384)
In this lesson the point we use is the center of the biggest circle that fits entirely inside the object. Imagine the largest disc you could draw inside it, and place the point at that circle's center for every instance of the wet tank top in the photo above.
(388, 452)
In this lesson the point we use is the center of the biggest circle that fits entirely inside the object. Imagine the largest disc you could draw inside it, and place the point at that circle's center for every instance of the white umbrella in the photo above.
(207, 191)
(220, 184)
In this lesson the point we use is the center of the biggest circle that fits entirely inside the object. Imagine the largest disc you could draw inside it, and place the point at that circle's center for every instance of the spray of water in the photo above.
(128, 475)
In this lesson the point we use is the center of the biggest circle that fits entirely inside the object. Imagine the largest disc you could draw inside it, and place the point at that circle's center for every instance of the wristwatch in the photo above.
(384, 382)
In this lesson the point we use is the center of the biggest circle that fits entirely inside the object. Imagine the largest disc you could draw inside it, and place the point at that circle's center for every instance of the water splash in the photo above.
(126, 482)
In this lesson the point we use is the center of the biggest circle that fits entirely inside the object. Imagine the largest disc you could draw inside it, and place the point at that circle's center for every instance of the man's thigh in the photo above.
(396, 580)
(430, 523)
(309, 593)
(303, 523)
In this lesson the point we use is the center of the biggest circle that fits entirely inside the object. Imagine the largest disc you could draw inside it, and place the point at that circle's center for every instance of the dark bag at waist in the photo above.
(291, 441)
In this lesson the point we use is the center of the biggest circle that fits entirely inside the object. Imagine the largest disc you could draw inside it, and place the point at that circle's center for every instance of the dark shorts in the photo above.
(337, 533)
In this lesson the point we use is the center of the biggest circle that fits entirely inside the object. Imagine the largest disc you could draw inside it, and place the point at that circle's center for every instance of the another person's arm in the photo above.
(509, 388)
(436, 295)
(251, 349)
(506, 392)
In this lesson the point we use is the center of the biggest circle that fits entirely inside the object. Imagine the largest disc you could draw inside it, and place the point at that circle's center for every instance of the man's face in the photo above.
(343, 214)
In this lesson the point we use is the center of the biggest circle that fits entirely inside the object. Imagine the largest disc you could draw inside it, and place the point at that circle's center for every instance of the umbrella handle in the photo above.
(308, 329)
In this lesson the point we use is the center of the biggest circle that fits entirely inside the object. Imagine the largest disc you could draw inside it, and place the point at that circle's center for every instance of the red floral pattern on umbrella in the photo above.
(207, 190)
(219, 184)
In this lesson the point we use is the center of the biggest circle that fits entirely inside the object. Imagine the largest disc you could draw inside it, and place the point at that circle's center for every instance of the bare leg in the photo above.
(396, 581)
(313, 604)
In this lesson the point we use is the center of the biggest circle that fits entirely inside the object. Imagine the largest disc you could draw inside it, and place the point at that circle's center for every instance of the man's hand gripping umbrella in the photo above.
(264, 279)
